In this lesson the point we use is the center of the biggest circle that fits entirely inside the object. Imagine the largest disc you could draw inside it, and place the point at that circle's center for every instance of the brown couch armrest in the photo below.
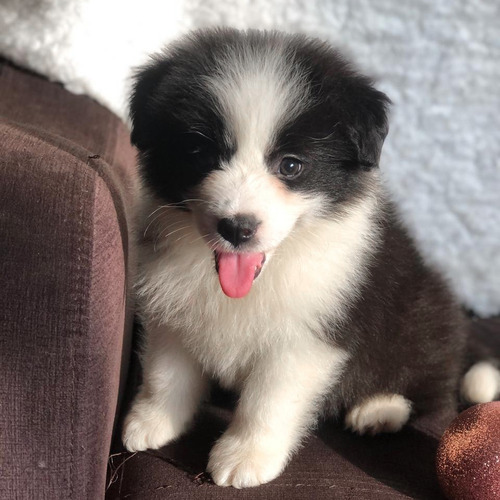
(65, 272)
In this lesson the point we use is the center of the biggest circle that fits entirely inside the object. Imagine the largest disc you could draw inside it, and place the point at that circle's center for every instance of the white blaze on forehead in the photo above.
(257, 90)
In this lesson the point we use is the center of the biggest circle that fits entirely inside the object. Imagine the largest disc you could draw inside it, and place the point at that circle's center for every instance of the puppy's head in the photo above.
(256, 134)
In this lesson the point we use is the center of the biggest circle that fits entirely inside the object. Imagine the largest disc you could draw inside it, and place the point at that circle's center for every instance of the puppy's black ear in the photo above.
(368, 123)
(145, 102)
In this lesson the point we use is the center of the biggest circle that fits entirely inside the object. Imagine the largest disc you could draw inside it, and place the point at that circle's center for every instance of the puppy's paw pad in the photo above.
(242, 465)
(481, 384)
(381, 413)
(146, 428)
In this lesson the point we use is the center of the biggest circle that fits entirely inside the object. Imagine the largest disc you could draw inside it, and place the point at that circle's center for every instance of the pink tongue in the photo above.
(237, 272)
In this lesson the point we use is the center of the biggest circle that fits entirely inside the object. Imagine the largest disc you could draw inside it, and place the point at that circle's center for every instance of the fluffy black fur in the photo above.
(182, 137)
(405, 331)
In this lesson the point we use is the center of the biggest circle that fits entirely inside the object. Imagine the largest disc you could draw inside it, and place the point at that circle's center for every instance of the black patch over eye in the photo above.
(290, 168)
(196, 143)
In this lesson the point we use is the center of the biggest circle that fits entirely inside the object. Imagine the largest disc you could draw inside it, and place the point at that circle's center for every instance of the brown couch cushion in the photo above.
(66, 178)
(333, 463)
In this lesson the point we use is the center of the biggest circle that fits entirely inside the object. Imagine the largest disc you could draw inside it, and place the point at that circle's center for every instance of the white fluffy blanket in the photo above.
(438, 60)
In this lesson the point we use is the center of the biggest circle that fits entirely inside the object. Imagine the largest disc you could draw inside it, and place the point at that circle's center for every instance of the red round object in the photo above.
(468, 457)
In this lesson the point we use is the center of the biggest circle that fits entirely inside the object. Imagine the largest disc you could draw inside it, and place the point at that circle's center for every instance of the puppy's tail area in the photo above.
(481, 382)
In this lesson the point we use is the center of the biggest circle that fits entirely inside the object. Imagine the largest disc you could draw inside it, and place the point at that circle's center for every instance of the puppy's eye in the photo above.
(290, 168)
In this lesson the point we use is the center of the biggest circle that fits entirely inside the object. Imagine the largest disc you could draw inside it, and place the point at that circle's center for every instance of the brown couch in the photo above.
(67, 172)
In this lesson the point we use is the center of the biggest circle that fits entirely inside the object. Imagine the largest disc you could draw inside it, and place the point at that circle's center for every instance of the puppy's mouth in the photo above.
(237, 271)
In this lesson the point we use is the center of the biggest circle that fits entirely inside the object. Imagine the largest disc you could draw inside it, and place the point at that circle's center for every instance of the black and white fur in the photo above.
(344, 320)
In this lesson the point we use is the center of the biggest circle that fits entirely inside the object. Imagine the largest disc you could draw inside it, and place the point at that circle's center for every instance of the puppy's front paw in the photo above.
(243, 463)
(147, 427)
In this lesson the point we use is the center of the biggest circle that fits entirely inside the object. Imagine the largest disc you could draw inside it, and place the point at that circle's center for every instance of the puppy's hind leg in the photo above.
(169, 397)
(379, 413)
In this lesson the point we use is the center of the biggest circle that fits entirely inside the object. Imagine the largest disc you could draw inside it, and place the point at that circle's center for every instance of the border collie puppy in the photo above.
(271, 257)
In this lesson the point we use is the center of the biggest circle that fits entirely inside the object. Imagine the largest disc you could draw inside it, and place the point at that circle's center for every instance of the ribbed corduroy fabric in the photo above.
(66, 178)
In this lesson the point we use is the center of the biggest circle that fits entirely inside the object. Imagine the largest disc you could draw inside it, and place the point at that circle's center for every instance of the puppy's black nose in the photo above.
(238, 229)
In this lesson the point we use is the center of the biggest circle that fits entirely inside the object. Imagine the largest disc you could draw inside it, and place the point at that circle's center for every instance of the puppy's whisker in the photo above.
(163, 207)
(152, 222)
(161, 211)
(184, 236)
(165, 236)
(197, 200)
(179, 204)
(201, 237)
(154, 211)
(175, 223)
(211, 242)
(165, 226)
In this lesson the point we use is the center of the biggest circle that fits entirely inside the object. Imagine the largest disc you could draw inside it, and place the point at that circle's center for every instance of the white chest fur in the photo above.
(310, 277)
